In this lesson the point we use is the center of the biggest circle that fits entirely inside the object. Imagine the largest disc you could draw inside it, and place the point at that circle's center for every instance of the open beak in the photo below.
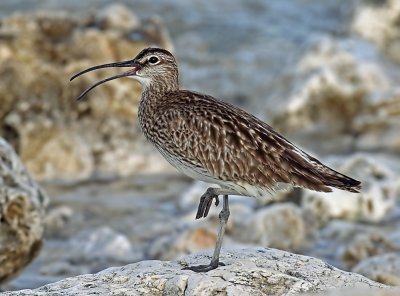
(132, 64)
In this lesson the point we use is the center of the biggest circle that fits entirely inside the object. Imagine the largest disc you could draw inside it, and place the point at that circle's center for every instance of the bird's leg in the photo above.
(223, 219)
(206, 202)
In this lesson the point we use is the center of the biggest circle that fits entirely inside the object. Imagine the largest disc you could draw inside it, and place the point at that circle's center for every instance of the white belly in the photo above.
(240, 188)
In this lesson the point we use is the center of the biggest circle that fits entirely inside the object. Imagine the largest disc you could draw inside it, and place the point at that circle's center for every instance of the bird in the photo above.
(216, 142)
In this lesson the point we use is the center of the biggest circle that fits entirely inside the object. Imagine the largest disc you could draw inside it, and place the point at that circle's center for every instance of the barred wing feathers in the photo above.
(233, 145)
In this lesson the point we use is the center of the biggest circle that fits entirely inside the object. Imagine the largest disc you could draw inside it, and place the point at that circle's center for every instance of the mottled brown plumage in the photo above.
(230, 145)
(216, 142)
(223, 142)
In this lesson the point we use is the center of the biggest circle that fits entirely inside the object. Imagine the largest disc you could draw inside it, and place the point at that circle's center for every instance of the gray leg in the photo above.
(223, 219)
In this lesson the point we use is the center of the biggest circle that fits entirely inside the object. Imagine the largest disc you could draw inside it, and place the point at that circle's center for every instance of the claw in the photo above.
(206, 202)
(204, 268)
(207, 209)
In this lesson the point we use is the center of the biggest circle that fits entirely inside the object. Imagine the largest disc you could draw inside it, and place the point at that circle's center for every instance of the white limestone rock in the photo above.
(378, 195)
(342, 97)
(252, 271)
(55, 136)
(184, 241)
(117, 16)
(378, 22)
(22, 207)
(103, 243)
(382, 268)
(100, 248)
(357, 292)
(57, 218)
(279, 226)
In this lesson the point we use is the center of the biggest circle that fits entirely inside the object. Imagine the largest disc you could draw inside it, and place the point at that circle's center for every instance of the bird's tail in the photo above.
(323, 178)
(332, 178)
(310, 173)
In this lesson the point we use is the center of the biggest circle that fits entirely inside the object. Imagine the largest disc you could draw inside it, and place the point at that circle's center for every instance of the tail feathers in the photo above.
(325, 181)
(331, 178)
(337, 180)
(323, 178)
(310, 173)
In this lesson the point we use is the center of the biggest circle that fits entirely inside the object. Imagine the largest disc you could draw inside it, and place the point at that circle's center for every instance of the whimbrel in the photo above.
(216, 142)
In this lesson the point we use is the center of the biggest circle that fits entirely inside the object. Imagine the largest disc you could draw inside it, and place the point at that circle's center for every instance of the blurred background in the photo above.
(323, 73)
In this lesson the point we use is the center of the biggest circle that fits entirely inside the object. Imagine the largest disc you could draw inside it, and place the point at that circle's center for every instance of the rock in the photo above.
(280, 226)
(332, 242)
(382, 268)
(378, 195)
(96, 224)
(368, 245)
(102, 243)
(251, 271)
(62, 268)
(102, 247)
(117, 16)
(57, 218)
(342, 98)
(357, 292)
(56, 137)
(88, 251)
(186, 241)
(154, 31)
(347, 243)
(378, 22)
(73, 157)
(22, 206)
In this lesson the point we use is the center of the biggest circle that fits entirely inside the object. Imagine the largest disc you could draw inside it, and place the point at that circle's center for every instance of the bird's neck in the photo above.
(160, 86)
(153, 93)
(151, 99)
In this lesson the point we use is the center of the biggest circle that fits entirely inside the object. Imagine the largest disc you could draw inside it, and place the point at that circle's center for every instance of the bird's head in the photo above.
(152, 67)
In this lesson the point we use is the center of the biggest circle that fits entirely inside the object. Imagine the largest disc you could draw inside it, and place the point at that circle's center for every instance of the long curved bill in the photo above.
(132, 64)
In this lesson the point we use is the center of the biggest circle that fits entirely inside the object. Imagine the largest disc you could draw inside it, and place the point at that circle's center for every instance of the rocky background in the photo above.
(325, 74)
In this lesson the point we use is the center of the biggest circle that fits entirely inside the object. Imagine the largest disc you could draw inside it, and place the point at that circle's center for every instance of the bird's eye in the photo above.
(153, 60)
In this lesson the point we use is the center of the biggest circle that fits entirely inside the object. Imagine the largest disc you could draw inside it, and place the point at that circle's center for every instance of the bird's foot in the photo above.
(206, 202)
(204, 268)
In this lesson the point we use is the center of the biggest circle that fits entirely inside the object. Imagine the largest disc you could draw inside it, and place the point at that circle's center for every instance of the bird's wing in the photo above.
(233, 145)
